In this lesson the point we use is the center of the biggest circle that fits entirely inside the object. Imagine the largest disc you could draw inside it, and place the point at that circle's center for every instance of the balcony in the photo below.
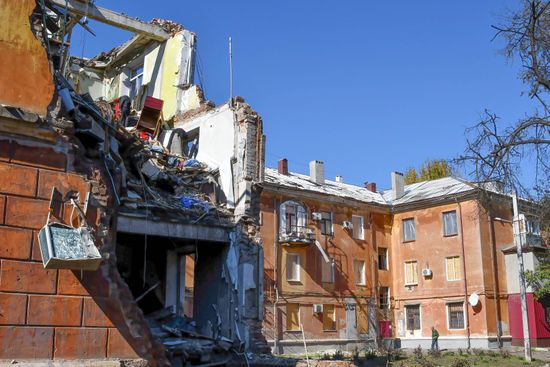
(296, 235)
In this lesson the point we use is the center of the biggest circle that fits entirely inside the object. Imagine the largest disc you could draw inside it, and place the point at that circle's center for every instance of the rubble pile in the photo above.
(168, 25)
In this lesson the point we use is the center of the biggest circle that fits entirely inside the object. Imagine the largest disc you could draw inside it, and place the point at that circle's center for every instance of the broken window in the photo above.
(292, 267)
(358, 224)
(292, 317)
(136, 81)
(326, 223)
(449, 223)
(409, 231)
(329, 318)
(456, 315)
(293, 219)
(411, 272)
(327, 270)
(359, 271)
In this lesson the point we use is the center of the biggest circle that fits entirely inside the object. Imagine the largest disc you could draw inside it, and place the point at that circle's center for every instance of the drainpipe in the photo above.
(466, 314)
(275, 277)
(495, 283)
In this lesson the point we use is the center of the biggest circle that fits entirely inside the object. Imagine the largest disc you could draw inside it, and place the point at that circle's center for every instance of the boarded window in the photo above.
(411, 272)
(293, 267)
(326, 223)
(456, 315)
(384, 298)
(358, 224)
(292, 317)
(453, 268)
(449, 223)
(359, 271)
(409, 232)
(362, 314)
(413, 317)
(329, 318)
(327, 275)
(382, 258)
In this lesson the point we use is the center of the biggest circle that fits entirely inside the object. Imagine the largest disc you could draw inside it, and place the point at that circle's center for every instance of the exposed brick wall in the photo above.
(48, 313)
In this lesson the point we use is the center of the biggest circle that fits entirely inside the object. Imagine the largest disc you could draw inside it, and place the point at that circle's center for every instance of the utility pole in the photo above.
(522, 291)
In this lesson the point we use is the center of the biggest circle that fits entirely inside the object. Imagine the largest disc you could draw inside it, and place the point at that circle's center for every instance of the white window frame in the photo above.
(361, 234)
(447, 269)
(300, 219)
(298, 265)
(419, 318)
(449, 319)
(363, 280)
(405, 272)
(403, 229)
(444, 222)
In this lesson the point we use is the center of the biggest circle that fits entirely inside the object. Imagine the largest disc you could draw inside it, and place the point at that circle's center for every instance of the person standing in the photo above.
(435, 336)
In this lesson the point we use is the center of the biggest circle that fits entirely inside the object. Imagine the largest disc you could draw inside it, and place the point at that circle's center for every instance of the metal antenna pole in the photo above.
(230, 72)
(519, 249)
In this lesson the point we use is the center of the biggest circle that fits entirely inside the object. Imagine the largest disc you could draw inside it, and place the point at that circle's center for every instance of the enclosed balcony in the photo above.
(293, 229)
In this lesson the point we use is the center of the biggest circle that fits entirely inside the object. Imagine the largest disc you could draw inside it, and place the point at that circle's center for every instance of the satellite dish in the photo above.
(473, 300)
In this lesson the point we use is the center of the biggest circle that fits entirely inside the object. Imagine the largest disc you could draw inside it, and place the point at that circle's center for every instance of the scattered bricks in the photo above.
(28, 213)
(25, 342)
(80, 343)
(38, 156)
(13, 308)
(64, 182)
(16, 243)
(20, 276)
(86, 283)
(4, 150)
(100, 311)
(54, 311)
(118, 347)
(17, 180)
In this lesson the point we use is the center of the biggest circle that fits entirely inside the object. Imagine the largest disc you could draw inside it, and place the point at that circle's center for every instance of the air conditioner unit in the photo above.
(317, 308)
(427, 272)
(347, 224)
(316, 216)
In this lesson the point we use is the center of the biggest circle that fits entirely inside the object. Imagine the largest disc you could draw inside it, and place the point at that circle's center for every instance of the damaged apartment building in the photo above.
(128, 202)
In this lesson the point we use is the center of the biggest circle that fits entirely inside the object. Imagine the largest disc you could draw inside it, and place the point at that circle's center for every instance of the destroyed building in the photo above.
(128, 203)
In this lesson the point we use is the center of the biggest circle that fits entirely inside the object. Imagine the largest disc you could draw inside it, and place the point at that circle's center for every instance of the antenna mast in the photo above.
(230, 72)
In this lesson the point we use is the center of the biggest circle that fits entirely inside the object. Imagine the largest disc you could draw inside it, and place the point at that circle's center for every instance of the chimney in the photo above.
(397, 185)
(371, 186)
(317, 172)
(339, 179)
(283, 166)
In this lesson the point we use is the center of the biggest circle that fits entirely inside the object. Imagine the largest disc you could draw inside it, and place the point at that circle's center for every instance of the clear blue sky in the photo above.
(366, 86)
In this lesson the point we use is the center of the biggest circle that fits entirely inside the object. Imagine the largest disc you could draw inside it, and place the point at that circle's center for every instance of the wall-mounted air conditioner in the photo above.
(427, 272)
(316, 216)
(317, 308)
(347, 224)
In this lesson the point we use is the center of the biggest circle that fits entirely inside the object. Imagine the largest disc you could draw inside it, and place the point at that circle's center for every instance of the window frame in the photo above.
(407, 307)
(403, 232)
(447, 258)
(444, 223)
(292, 222)
(287, 317)
(323, 223)
(448, 312)
(332, 274)
(408, 284)
(385, 257)
(363, 272)
(298, 264)
(387, 299)
(362, 227)
(334, 319)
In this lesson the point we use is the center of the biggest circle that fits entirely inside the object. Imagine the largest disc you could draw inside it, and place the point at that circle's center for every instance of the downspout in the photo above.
(495, 283)
(275, 277)
(466, 313)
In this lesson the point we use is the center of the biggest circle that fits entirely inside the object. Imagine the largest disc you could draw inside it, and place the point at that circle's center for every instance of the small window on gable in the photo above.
(359, 271)
(383, 258)
(358, 227)
(449, 224)
(293, 267)
(326, 223)
(409, 231)
(327, 271)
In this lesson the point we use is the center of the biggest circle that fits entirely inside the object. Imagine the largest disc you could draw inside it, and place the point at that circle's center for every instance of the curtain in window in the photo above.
(408, 230)
(449, 223)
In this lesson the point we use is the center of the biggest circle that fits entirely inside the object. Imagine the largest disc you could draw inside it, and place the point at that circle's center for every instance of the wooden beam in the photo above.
(113, 18)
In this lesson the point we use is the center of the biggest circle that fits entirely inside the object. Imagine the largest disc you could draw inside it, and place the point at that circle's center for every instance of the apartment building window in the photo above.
(136, 81)
(358, 224)
(329, 318)
(384, 298)
(411, 273)
(382, 258)
(293, 218)
(449, 224)
(327, 271)
(413, 317)
(292, 317)
(409, 232)
(326, 223)
(362, 317)
(293, 267)
(453, 268)
(359, 271)
(455, 315)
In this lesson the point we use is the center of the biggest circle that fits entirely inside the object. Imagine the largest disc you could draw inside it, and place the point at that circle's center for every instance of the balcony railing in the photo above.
(297, 234)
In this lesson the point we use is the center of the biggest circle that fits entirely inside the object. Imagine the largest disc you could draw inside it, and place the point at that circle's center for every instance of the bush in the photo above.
(478, 352)
(326, 357)
(504, 353)
(460, 362)
(418, 352)
(492, 353)
(436, 353)
(449, 353)
(460, 352)
(338, 356)
(370, 354)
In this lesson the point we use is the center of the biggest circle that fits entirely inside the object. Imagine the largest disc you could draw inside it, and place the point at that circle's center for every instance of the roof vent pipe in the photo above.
(339, 179)
(317, 172)
(397, 185)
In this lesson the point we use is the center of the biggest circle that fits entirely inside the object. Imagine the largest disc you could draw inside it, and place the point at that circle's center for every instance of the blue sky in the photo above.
(365, 86)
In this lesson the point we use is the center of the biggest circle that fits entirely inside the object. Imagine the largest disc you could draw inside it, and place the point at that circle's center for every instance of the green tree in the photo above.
(430, 170)
(539, 279)
(411, 176)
